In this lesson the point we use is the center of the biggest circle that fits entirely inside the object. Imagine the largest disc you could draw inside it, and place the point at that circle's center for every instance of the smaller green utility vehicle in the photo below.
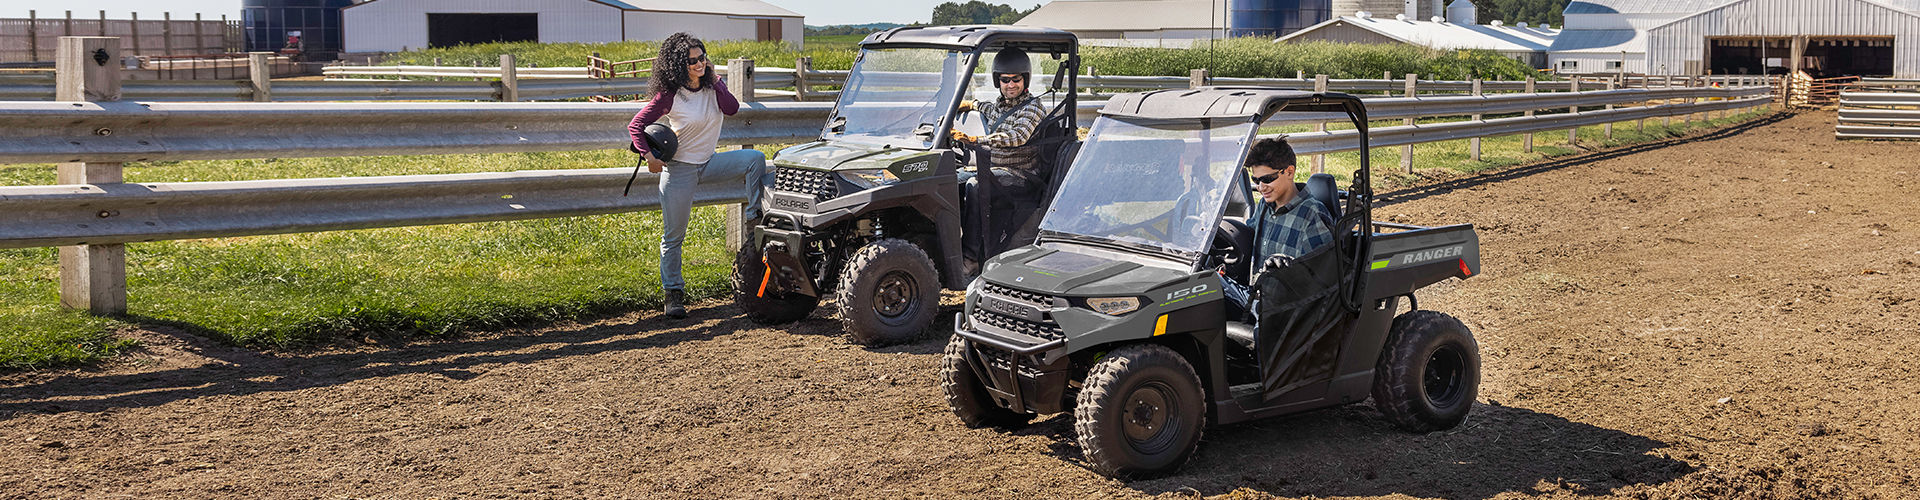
(1117, 312)
(871, 214)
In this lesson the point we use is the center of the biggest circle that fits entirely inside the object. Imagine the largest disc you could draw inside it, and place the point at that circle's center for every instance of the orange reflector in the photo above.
(1463, 268)
(764, 277)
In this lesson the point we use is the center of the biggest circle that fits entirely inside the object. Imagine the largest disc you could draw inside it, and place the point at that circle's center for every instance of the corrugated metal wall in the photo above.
(1675, 44)
(391, 25)
(1586, 63)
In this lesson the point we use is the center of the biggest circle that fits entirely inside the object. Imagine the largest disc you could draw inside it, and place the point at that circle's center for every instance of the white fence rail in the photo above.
(1887, 115)
(133, 131)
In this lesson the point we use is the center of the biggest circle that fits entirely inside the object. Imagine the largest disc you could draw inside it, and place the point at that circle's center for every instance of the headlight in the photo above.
(869, 178)
(1114, 306)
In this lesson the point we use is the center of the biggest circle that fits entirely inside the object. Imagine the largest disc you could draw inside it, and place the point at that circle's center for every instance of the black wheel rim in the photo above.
(1445, 377)
(1148, 418)
(896, 296)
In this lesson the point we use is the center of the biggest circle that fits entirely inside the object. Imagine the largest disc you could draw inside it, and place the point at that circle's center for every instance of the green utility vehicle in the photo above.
(1118, 312)
(872, 212)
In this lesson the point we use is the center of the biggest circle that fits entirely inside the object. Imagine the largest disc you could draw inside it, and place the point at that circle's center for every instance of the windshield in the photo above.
(897, 97)
(1153, 183)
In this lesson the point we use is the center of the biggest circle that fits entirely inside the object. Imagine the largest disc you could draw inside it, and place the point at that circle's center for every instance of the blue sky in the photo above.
(818, 12)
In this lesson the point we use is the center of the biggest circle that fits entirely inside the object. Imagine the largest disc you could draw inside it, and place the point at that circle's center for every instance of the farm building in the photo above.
(1135, 23)
(1694, 37)
(395, 25)
(1181, 23)
(1523, 43)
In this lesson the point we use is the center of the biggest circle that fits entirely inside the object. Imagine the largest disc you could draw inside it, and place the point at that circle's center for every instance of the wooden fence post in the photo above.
(1197, 78)
(166, 34)
(199, 36)
(1687, 119)
(33, 35)
(509, 79)
(1666, 120)
(740, 82)
(133, 25)
(801, 67)
(1320, 160)
(259, 69)
(66, 28)
(1608, 127)
(1526, 143)
(92, 277)
(1646, 82)
(1573, 134)
(1473, 145)
(1406, 152)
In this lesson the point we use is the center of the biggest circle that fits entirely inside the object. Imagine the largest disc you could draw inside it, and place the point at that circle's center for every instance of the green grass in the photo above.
(295, 291)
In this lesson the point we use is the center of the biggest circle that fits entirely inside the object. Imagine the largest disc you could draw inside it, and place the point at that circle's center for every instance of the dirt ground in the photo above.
(1728, 317)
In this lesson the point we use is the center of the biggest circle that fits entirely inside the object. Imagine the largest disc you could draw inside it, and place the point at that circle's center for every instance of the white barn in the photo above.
(1135, 23)
(1526, 44)
(396, 25)
(1695, 37)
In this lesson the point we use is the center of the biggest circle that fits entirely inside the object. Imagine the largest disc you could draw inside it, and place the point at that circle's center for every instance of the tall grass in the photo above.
(1238, 57)
(1260, 58)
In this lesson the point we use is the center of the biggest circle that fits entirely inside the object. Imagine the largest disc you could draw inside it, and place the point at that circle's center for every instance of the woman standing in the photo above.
(694, 103)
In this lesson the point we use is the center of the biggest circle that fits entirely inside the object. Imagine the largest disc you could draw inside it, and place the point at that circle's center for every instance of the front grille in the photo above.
(818, 183)
(1045, 329)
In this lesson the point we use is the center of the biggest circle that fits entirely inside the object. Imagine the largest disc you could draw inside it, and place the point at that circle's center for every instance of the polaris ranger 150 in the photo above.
(1117, 312)
(872, 211)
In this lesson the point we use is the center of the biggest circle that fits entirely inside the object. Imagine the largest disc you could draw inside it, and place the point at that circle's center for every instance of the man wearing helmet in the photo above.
(1010, 124)
(1011, 119)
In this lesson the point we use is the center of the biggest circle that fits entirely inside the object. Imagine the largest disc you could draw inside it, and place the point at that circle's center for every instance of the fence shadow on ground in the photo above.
(234, 371)
(1440, 188)
(1353, 451)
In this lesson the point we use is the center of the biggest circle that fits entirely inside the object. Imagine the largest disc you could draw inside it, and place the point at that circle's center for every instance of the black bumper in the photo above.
(1020, 375)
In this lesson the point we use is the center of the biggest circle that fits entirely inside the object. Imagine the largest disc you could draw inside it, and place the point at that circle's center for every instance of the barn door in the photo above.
(767, 30)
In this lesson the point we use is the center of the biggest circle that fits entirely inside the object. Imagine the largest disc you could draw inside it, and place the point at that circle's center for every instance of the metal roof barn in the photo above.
(1525, 44)
(1832, 37)
(396, 25)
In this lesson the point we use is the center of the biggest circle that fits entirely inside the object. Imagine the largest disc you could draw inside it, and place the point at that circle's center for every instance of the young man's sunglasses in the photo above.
(1266, 179)
(1011, 79)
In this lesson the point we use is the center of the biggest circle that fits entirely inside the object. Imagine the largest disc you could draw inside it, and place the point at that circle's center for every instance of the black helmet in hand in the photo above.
(661, 141)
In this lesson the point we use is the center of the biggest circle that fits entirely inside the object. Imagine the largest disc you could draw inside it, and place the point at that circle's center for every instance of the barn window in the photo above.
(1569, 65)
(1613, 65)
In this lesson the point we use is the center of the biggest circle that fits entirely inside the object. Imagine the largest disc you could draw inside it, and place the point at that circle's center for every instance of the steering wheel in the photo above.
(972, 123)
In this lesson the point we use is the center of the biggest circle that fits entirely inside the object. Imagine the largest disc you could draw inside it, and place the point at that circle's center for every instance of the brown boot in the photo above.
(676, 307)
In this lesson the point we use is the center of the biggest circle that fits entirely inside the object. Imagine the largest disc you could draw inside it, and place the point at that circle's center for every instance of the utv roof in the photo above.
(1229, 102)
(972, 36)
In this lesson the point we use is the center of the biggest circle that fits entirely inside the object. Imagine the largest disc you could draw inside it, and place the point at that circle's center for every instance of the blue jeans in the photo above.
(677, 184)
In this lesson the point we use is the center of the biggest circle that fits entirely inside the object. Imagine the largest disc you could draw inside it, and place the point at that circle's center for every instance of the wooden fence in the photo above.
(33, 39)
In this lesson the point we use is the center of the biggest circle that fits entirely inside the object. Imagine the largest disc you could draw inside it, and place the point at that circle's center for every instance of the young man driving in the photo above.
(1286, 223)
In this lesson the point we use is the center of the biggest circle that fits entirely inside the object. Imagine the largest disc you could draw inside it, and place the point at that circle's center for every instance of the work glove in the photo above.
(1276, 262)
(966, 105)
(962, 136)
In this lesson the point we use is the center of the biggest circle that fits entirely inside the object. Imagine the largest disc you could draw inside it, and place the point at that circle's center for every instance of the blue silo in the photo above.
(269, 22)
(1275, 18)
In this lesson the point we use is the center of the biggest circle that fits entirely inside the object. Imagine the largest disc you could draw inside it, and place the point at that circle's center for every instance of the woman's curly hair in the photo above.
(670, 69)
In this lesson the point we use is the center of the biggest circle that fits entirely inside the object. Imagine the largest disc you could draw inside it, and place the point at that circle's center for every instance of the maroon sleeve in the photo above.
(728, 104)
(656, 108)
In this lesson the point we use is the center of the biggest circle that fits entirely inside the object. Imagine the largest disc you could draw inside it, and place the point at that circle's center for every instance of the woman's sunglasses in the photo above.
(697, 60)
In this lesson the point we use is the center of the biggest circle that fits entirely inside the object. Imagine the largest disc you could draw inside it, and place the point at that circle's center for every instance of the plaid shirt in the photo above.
(1300, 226)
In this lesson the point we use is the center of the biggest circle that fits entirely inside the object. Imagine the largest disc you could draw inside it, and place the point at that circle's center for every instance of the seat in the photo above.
(1322, 187)
(1241, 333)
